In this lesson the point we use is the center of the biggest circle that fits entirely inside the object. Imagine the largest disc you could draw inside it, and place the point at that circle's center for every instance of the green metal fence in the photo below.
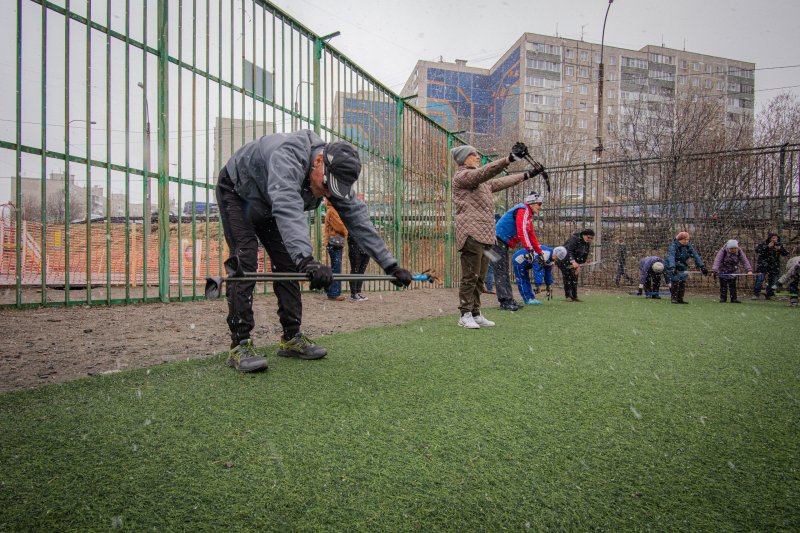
(125, 112)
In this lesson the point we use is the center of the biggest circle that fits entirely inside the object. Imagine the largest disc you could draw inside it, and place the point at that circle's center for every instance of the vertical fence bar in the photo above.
(108, 152)
(781, 185)
(127, 151)
(67, 239)
(194, 150)
(88, 244)
(43, 168)
(18, 159)
(163, 152)
(146, 200)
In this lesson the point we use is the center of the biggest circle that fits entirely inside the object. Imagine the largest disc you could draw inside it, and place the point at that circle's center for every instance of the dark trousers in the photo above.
(770, 278)
(570, 279)
(474, 265)
(502, 280)
(359, 259)
(652, 284)
(335, 254)
(726, 284)
(243, 229)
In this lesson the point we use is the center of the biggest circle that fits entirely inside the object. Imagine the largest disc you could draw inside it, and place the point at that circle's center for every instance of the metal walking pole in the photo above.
(214, 283)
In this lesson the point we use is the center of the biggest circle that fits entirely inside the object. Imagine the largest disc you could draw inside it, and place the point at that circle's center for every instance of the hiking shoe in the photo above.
(339, 298)
(510, 306)
(533, 302)
(244, 358)
(482, 321)
(302, 347)
(359, 297)
(736, 301)
(577, 300)
(655, 297)
(468, 321)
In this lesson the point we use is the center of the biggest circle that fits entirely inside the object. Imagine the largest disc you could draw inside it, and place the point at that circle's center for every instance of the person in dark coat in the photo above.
(578, 246)
(677, 265)
(650, 271)
(768, 257)
(791, 278)
(263, 192)
(622, 255)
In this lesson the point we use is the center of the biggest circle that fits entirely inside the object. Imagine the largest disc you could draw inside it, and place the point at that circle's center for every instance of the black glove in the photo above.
(402, 276)
(531, 173)
(704, 270)
(673, 271)
(518, 151)
(321, 276)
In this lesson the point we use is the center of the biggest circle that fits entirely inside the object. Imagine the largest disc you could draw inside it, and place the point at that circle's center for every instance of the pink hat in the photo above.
(682, 235)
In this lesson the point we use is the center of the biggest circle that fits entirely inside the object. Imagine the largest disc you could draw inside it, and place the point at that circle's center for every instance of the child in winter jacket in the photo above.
(726, 266)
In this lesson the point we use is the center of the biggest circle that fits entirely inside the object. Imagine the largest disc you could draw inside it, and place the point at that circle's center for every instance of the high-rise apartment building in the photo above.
(544, 90)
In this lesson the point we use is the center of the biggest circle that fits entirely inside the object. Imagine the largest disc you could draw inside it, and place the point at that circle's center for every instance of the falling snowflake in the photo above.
(636, 413)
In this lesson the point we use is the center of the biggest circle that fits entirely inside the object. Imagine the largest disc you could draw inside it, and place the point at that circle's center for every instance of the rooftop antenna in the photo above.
(662, 40)
(684, 44)
(583, 26)
(556, 29)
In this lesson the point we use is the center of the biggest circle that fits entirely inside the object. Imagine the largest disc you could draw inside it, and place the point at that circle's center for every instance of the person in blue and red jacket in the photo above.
(514, 227)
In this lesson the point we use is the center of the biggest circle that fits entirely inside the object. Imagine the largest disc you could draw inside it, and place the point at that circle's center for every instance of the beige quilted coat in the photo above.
(473, 201)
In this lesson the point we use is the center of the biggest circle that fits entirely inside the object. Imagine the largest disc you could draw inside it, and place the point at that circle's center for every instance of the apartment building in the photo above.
(544, 89)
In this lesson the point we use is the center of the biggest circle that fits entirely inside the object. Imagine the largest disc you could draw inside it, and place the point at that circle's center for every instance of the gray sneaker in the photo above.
(302, 347)
(244, 358)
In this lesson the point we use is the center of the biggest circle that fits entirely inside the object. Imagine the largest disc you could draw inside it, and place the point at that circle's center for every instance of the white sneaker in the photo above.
(483, 321)
(468, 321)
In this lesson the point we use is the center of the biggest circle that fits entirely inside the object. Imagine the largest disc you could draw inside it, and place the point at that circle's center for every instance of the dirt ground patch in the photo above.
(52, 345)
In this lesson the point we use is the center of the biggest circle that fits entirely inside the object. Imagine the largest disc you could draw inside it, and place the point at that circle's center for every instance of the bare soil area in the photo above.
(52, 345)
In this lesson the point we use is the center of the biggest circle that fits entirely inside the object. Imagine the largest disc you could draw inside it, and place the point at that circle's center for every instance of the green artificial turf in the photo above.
(616, 413)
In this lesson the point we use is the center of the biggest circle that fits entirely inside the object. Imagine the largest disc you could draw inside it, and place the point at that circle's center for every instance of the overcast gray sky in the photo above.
(387, 37)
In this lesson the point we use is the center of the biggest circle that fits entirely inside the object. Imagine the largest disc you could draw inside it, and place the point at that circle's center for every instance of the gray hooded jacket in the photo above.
(272, 175)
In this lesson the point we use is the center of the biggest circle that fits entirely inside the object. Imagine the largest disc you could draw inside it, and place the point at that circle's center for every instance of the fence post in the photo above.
(316, 95)
(398, 183)
(450, 223)
(163, 152)
(598, 216)
(781, 185)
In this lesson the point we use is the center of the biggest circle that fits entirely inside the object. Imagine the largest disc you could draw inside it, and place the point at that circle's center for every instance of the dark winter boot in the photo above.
(681, 292)
(723, 291)
(673, 291)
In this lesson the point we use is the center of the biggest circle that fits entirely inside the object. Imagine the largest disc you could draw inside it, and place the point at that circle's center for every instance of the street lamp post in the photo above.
(598, 222)
(296, 103)
(600, 76)
(147, 207)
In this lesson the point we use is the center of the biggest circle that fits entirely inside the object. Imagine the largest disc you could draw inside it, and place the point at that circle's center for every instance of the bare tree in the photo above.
(778, 122)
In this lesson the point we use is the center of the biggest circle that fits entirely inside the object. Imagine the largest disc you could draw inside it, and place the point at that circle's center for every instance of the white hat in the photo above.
(658, 267)
(546, 255)
(733, 243)
(533, 198)
(560, 252)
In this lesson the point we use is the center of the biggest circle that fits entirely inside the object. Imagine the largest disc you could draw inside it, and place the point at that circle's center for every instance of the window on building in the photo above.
(720, 85)
(709, 68)
(568, 88)
(661, 75)
(540, 64)
(568, 120)
(583, 72)
(568, 103)
(708, 84)
(684, 64)
(541, 82)
(661, 58)
(583, 123)
(569, 70)
(740, 72)
(597, 58)
(634, 62)
(584, 55)
(612, 60)
(584, 90)
(695, 82)
(610, 110)
(612, 93)
(582, 106)
(541, 99)
(612, 76)
(695, 66)
(545, 48)
(569, 53)
(682, 79)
